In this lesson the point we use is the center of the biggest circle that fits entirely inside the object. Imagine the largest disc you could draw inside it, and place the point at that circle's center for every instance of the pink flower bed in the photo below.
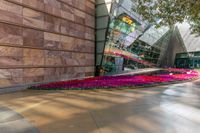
(170, 75)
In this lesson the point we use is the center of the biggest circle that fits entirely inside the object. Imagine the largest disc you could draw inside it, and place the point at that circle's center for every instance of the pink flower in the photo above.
(122, 81)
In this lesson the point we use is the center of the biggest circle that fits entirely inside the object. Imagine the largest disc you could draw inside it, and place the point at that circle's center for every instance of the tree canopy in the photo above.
(170, 12)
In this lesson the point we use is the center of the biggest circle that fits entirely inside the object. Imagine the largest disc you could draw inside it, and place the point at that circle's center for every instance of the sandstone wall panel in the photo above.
(46, 40)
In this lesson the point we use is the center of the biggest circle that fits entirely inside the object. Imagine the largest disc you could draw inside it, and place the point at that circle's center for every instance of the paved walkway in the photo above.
(12, 122)
(167, 109)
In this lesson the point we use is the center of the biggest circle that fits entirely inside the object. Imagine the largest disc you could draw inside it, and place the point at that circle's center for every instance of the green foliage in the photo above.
(170, 12)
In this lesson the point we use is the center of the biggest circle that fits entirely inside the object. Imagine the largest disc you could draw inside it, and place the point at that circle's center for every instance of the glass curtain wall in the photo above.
(103, 10)
(123, 29)
(125, 42)
(189, 60)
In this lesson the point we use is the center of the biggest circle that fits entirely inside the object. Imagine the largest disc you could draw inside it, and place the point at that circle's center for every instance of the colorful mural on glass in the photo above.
(123, 31)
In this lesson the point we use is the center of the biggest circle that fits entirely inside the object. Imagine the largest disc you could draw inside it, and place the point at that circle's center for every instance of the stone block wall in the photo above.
(46, 40)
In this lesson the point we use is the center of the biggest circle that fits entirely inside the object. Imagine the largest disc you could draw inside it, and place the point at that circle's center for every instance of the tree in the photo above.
(170, 12)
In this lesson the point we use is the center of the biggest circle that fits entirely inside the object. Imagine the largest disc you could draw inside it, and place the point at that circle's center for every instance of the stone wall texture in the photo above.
(46, 40)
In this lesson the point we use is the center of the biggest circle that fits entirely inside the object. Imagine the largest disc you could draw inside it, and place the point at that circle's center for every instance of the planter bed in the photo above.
(161, 77)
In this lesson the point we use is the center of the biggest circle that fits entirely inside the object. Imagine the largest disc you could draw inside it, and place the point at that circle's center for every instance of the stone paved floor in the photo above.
(13, 122)
(166, 109)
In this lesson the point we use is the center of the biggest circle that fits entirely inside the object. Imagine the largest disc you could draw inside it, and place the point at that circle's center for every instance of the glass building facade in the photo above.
(123, 40)
(190, 58)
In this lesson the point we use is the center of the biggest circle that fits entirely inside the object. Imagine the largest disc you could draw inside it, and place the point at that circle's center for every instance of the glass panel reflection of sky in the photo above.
(152, 35)
(192, 43)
